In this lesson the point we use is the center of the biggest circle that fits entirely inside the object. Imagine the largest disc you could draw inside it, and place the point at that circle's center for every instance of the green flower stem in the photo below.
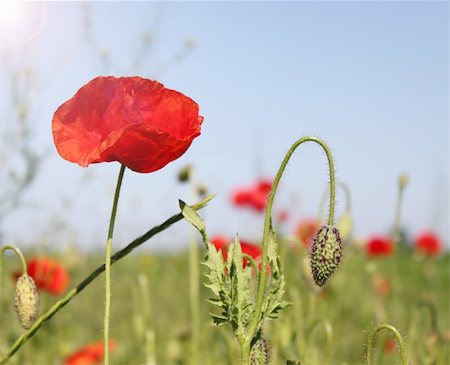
(194, 291)
(328, 333)
(147, 319)
(18, 254)
(108, 266)
(116, 257)
(398, 210)
(397, 335)
(348, 200)
(255, 321)
(412, 333)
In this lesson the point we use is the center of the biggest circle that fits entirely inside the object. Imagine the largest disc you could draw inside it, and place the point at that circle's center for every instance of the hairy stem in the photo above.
(194, 279)
(70, 295)
(108, 266)
(255, 321)
(397, 335)
(396, 236)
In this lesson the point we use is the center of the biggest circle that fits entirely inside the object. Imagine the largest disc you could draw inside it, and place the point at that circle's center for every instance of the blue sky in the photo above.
(370, 78)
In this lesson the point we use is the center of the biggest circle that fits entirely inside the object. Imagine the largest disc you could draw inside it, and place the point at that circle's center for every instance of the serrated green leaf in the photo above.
(272, 251)
(215, 265)
(192, 216)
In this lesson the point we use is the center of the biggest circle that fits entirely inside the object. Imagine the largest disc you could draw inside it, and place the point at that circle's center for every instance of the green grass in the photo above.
(349, 304)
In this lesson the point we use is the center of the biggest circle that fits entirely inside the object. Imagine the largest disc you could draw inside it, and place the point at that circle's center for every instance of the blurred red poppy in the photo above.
(382, 285)
(48, 274)
(428, 243)
(389, 345)
(134, 121)
(254, 197)
(221, 243)
(379, 246)
(89, 355)
(306, 231)
(283, 216)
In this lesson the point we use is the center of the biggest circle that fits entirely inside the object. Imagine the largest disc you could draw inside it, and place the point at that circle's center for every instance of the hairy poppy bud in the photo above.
(26, 301)
(326, 253)
(260, 353)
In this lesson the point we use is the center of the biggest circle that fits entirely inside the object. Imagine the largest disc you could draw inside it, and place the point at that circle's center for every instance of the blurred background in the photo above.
(370, 78)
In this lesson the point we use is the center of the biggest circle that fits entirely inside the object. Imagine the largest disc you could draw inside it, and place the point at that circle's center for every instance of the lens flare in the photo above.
(20, 22)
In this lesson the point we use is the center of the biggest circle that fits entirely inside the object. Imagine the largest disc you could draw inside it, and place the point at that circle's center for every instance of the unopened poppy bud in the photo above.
(185, 174)
(403, 180)
(260, 353)
(202, 190)
(26, 301)
(326, 253)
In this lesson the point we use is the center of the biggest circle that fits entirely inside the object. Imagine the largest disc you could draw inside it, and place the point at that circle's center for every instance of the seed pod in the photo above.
(26, 301)
(326, 253)
(260, 353)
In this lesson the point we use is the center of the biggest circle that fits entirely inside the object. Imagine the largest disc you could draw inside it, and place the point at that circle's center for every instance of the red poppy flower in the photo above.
(428, 243)
(89, 355)
(221, 243)
(254, 197)
(48, 274)
(134, 121)
(379, 246)
(306, 231)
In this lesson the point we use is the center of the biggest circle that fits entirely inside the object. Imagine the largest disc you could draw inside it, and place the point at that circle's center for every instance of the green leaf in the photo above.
(292, 362)
(192, 216)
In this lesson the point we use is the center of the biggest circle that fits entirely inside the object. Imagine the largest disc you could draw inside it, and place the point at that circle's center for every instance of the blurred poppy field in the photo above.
(151, 321)
(343, 265)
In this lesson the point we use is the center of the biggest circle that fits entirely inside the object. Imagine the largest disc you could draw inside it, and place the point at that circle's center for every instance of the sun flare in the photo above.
(19, 21)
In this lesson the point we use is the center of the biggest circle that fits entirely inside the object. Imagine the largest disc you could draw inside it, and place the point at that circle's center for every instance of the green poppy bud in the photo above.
(260, 353)
(26, 301)
(326, 253)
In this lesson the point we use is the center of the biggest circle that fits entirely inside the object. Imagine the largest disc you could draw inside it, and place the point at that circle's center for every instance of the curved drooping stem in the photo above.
(108, 266)
(255, 321)
(348, 199)
(19, 254)
(75, 291)
(328, 330)
(397, 335)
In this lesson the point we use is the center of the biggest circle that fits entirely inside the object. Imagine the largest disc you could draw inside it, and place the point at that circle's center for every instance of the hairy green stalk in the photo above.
(255, 321)
(396, 334)
(328, 329)
(108, 266)
(348, 199)
(194, 280)
(396, 236)
(75, 291)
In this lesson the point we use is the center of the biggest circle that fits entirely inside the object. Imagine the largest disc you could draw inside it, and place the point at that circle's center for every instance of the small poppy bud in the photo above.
(260, 353)
(403, 180)
(26, 301)
(202, 190)
(326, 253)
(185, 174)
